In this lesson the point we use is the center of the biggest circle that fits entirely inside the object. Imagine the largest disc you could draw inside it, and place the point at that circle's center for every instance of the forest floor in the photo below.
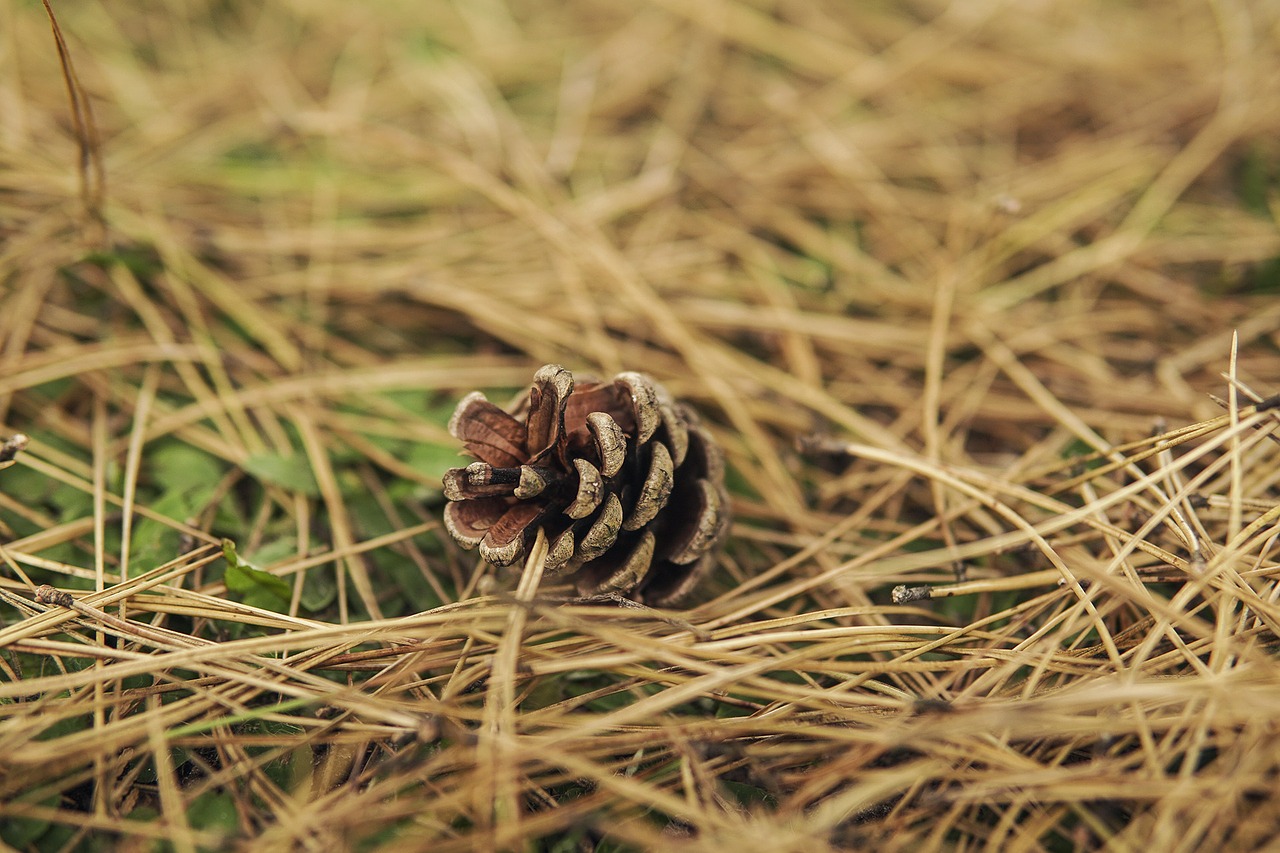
(981, 299)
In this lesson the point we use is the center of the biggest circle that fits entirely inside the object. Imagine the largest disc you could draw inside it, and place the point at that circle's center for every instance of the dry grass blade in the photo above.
(93, 176)
(978, 298)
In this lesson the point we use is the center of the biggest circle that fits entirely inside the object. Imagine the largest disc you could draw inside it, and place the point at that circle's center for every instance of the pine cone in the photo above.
(626, 483)
(11, 447)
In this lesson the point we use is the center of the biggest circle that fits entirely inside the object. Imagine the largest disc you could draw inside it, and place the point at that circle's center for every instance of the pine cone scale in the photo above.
(488, 432)
(656, 489)
(534, 481)
(552, 386)
(590, 490)
(469, 520)
(602, 533)
(610, 398)
(677, 433)
(610, 440)
(706, 527)
(644, 400)
(607, 577)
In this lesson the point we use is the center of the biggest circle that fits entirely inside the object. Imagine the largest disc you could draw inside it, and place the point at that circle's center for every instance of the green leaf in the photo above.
(214, 810)
(141, 259)
(274, 551)
(181, 468)
(1078, 449)
(1257, 179)
(144, 814)
(319, 589)
(415, 593)
(155, 542)
(434, 459)
(737, 484)
(72, 503)
(247, 579)
(20, 832)
(748, 795)
(292, 770)
(289, 472)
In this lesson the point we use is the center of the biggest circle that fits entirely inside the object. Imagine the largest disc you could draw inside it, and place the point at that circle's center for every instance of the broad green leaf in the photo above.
(319, 589)
(249, 580)
(289, 472)
(415, 594)
(181, 468)
(274, 551)
(155, 542)
(213, 810)
(21, 832)
(434, 459)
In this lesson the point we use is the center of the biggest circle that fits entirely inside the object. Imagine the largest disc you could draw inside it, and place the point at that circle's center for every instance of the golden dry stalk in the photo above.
(626, 483)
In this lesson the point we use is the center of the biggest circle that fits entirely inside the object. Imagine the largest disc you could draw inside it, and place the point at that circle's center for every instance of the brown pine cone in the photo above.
(11, 447)
(626, 483)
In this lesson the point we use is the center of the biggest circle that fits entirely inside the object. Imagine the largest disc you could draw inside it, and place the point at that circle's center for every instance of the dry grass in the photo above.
(955, 284)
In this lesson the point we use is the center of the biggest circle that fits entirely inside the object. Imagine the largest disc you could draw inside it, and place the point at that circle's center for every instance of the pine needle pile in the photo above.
(980, 301)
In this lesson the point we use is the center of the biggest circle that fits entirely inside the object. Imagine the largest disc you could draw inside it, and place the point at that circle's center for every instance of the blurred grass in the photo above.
(956, 286)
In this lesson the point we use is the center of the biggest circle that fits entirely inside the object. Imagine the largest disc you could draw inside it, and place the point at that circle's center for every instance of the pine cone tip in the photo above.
(12, 446)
